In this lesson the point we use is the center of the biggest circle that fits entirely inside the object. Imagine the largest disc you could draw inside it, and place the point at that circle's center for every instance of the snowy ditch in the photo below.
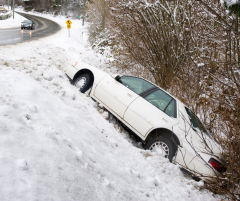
(57, 144)
(118, 125)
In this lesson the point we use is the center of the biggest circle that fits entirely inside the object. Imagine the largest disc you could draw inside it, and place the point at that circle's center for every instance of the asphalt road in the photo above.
(43, 28)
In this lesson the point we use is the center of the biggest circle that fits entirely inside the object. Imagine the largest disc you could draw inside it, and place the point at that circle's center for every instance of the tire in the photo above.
(167, 148)
(83, 82)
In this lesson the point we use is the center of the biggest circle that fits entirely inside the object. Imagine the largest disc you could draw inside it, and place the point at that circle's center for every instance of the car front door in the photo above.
(117, 95)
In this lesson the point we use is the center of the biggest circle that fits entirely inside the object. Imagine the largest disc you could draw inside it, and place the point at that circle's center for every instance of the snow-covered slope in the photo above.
(55, 145)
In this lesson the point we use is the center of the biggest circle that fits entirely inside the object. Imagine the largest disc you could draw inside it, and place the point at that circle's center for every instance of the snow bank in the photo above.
(12, 23)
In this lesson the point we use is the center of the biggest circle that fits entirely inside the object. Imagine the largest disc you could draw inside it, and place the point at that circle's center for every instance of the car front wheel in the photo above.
(162, 146)
(83, 82)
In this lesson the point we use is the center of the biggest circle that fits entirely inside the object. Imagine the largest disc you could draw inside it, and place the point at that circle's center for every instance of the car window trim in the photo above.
(151, 90)
(175, 107)
(148, 91)
(167, 105)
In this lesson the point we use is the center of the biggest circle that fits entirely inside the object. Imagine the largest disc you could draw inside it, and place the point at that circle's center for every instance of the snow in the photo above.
(10, 23)
(230, 2)
(200, 64)
(57, 144)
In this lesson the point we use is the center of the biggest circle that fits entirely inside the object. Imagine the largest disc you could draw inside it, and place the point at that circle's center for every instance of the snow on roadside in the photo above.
(54, 144)
(12, 23)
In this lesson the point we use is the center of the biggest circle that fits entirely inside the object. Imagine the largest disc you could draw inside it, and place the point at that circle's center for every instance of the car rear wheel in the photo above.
(83, 82)
(162, 146)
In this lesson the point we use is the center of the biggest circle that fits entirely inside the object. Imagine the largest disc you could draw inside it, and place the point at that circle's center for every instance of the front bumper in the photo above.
(26, 27)
(70, 80)
(71, 71)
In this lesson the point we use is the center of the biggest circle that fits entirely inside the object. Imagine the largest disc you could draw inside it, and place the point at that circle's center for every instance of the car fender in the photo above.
(72, 71)
(162, 132)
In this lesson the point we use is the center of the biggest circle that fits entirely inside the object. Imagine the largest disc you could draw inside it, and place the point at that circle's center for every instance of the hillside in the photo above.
(55, 145)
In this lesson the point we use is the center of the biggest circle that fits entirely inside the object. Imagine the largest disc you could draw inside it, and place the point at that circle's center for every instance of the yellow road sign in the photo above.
(69, 26)
(68, 22)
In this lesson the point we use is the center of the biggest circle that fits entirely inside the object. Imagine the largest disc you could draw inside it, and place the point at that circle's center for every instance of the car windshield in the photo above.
(27, 21)
(196, 123)
(136, 84)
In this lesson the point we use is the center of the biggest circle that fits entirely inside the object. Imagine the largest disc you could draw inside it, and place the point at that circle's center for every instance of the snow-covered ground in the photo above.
(55, 145)
(11, 23)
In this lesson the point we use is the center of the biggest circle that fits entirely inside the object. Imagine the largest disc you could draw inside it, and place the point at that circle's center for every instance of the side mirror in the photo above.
(117, 77)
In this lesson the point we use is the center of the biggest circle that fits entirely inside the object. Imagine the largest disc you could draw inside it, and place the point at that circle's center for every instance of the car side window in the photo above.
(163, 101)
(135, 84)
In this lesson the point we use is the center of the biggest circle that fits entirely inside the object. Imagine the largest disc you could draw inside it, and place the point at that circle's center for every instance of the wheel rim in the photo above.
(81, 82)
(161, 148)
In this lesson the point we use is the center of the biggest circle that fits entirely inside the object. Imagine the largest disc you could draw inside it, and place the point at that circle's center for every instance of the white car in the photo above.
(161, 121)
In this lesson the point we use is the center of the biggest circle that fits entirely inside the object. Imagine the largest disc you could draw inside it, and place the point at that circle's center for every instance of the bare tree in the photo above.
(154, 35)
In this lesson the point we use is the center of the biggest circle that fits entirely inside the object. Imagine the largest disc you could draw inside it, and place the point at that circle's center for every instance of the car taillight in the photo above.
(217, 165)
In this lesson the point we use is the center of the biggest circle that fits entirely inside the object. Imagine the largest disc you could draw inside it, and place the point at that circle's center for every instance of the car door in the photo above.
(151, 110)
(117, 95)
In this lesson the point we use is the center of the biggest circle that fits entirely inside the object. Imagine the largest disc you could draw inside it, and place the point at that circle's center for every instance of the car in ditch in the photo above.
(27, 24)
(162, 122)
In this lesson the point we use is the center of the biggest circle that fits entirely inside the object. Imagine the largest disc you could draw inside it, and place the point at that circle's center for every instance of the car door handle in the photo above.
(129, 95)
(165, 119)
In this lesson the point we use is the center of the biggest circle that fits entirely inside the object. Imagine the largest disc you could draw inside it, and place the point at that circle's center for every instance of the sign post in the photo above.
(68, 26)
(13, 8)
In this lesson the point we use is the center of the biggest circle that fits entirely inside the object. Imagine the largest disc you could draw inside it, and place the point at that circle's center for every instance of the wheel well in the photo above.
(83, 71)
(163, 133)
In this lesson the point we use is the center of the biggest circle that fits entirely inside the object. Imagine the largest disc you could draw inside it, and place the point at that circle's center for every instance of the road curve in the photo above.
(43, 28)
